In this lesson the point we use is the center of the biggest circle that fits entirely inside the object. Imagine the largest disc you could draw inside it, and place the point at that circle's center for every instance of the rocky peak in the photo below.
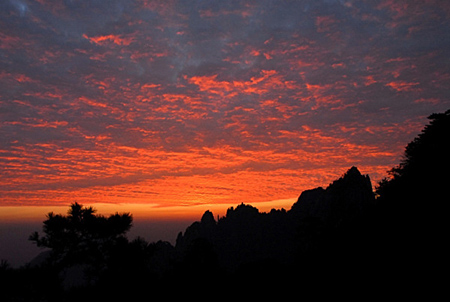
(343, 199)
(242, 211)
(208, 219)
(351, 180)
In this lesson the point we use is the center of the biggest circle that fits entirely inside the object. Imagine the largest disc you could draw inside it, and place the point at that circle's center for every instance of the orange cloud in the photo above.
(116, 39)
(212, 104)
(401, 86)
(369, 80)
(210, 84)
(268, 80)
(21, 78)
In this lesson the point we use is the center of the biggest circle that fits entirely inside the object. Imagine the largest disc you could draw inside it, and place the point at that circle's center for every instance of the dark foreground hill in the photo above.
(338, 237)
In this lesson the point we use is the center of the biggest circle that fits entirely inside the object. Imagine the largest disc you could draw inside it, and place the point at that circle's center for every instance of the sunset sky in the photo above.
(197, 104)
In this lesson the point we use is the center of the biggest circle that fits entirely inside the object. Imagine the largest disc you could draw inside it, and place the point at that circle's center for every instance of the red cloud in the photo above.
(404, 86)
(116, 39)
(324, 23)
(265, 101)
(269, 80)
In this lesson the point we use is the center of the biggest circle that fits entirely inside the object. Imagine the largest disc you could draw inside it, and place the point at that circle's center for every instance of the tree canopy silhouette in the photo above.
(424, 167)
(412, 213)
(81, 233)
(341, 228)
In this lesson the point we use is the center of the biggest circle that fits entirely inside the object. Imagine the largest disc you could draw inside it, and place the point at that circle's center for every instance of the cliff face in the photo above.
(344, 199)
(245, 235)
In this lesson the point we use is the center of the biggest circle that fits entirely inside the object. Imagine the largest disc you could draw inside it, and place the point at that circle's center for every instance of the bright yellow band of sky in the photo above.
(139, 211)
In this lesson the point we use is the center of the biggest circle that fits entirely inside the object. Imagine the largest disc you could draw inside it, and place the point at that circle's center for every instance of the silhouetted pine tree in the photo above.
(424, 171)
(413, 201)
(82, 236)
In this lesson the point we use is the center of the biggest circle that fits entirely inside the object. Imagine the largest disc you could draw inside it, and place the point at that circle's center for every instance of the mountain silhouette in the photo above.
(343, 236)
(344, 199)
(246, 235)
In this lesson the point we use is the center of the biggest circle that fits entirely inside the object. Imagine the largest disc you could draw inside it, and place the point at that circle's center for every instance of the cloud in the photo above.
(173, 100)
(116, 39)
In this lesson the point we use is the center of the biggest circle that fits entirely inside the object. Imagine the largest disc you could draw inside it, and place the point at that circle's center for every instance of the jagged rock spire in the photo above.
(342, 199)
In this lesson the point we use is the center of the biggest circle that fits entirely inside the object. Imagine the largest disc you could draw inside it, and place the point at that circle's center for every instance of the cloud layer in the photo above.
(191, 102)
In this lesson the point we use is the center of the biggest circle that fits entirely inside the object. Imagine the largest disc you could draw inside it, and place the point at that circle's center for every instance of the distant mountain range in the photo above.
(346, 236)
(246, 235)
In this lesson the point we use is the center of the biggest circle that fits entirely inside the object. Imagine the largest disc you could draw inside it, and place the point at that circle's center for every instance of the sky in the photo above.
(196, 104)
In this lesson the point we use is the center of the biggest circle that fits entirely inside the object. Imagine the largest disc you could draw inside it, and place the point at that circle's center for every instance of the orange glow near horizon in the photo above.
(140, 212)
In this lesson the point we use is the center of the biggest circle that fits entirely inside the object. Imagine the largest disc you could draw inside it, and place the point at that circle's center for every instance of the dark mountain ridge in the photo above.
(244, 234)
(340, 236)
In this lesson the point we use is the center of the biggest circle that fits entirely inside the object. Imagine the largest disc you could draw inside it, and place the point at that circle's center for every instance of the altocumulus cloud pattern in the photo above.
(187, 102)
